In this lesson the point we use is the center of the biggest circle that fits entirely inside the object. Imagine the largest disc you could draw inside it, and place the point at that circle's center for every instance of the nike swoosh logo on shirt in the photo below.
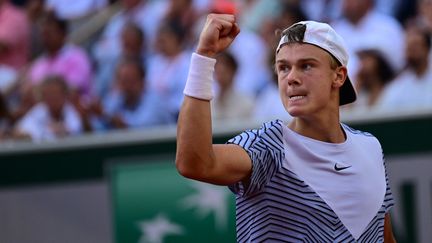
(340, 168)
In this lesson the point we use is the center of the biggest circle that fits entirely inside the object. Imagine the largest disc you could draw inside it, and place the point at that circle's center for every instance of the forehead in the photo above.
(292, 52)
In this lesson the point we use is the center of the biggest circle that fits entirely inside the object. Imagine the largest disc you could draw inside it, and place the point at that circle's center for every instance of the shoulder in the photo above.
(268, 135)
(268, 129)
(36, 113)
(40, 109)
(363, 137)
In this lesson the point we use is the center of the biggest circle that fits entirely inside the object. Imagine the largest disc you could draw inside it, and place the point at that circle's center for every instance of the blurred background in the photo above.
(90, 92)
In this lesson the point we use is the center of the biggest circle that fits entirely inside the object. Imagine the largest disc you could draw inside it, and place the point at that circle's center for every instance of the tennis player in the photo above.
(313, 179)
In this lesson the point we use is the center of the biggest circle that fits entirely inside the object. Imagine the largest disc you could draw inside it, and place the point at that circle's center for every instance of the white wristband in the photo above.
(200, 78)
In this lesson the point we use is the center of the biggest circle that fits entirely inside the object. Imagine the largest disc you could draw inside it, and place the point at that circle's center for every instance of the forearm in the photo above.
(194, 138)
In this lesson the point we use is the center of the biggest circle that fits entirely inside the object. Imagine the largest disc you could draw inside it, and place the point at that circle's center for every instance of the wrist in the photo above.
(205, 52)
(200, 78)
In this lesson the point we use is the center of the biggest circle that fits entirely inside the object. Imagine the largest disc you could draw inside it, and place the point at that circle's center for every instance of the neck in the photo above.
(326, 129)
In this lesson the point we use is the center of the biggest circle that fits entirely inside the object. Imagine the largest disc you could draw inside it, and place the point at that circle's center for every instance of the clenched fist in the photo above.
(218, 33)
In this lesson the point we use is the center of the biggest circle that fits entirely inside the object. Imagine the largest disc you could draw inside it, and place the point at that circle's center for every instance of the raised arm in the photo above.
(197, 158)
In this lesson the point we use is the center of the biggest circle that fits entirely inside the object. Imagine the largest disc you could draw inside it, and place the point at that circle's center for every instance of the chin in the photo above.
(295, 111)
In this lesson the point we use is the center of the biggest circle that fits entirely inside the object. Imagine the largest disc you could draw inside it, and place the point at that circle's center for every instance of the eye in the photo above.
(282, 68)
(306, 66)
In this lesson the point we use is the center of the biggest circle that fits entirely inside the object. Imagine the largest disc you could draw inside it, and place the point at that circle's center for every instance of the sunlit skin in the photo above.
(309, 87)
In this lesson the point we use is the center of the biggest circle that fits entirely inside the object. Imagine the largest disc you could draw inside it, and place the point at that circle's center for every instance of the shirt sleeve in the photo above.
(258, 144)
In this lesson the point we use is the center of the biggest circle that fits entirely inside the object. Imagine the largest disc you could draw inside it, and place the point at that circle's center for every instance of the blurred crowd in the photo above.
(131, 72)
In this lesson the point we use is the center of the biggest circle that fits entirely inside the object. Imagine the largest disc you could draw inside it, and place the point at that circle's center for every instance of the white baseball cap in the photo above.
(326, 38)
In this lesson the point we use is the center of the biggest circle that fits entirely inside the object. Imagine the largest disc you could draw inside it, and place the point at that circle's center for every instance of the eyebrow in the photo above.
(306, 59)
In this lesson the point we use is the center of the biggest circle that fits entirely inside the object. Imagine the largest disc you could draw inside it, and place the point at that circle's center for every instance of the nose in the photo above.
(293, 77)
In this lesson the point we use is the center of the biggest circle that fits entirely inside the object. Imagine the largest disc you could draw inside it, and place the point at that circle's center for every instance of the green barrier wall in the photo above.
(153, 203)
(142, 178)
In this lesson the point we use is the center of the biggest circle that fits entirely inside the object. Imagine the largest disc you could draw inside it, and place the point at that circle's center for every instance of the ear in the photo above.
(341, 74)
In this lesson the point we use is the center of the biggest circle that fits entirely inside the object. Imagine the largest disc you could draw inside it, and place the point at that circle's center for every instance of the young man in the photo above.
(312, 180)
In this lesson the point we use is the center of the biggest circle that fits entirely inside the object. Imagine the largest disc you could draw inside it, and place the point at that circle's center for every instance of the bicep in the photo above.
(232, 164)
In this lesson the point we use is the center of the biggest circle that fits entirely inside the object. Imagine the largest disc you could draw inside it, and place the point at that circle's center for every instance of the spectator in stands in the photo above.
(146, 14)
(132, 46)
(290, 14)
(53, 117)
(182, 12)
(62, 58)
(374, 74)
(322, 10)
(250, 51)
(425, 14)
(35, 12)
(131, 105)
(14, 36)
(168, 68)
(229, 104)
(362, 27)
(75, 12)
(412, 88)
(268, 104)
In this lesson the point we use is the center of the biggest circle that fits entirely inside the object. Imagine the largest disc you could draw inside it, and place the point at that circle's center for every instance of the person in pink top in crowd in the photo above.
(14, 36)
(61, 58)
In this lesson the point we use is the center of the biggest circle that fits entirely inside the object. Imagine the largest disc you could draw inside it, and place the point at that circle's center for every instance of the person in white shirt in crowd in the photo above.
(130, 104)
(145, 13)
(185, 14)
(132, 46)
(330, 10)
(373, 76)
(424, 18)
(77, 12)
(412, 88)
(65, 10)
(229, 104)
(168, 67)
(53, 117)
(362, 26)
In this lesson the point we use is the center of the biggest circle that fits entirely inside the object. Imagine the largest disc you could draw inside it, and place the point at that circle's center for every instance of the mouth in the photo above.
(296, 97)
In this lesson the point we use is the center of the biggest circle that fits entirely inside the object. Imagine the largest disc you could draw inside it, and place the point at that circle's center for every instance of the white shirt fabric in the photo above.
(234, 106)
(356, 193)
(167, 77)
(251, 54)
(38, 122)
(303, 190)
(67, 9)
(408, 91)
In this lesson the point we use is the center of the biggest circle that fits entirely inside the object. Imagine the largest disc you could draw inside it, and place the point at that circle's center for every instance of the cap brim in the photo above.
(347, 93)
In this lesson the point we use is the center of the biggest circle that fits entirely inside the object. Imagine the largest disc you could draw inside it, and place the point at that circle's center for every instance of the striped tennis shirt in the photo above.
(305, 190)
